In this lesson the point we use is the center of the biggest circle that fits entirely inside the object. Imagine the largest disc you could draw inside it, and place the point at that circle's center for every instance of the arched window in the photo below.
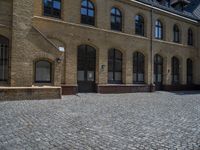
(139, 25)
(175, 70)
(190, 37)
(116, 19)
(43, 71)
(52, 8)
(114, 66)
(3, 58)
(176, 34)
(87, 12)
(158, 30)
(138, 67)
(189, 71)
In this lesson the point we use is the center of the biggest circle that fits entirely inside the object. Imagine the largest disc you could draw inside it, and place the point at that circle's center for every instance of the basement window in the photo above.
(43, 71)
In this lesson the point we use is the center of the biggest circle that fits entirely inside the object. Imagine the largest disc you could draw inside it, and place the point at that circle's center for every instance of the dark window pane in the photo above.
(116, 19)
(175, 70)
(57, 5)
(189, 71)
(114, 66)
(190, 37)
(138, 67)
(176, 34)
(43, 72)
(3, 59)
(87, 12)
(52, 8)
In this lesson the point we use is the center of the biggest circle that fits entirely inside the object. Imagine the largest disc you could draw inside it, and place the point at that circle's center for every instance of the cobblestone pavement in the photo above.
(160, 120)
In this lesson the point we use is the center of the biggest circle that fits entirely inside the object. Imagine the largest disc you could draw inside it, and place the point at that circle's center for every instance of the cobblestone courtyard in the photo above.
(160, 120)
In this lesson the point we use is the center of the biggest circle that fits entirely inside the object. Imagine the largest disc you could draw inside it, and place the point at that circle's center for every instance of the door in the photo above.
(86, 69)
(158, 72)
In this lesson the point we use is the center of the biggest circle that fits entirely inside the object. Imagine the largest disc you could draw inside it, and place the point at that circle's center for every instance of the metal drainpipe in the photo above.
(151, 52)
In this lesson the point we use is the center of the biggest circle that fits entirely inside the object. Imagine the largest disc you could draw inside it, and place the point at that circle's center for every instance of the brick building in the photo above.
(105, 46)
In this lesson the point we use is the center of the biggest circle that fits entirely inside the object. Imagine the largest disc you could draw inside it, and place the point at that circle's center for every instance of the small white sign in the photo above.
(61, 49)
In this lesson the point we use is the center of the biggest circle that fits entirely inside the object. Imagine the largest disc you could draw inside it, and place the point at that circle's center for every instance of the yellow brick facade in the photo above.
(34, 36)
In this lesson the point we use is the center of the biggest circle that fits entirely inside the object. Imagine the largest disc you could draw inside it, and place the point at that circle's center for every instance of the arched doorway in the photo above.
(3, 58)
(158, 72)
(86, 69)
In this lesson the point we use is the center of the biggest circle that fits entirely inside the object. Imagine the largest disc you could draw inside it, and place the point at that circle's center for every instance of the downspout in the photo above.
(151, 53)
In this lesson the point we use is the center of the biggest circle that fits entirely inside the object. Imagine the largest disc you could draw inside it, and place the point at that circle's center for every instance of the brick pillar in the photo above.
(102, 15)
(128, 73)
(183, 71)
(167, 71)
(102, 66)
(21, 68)
(71, 64)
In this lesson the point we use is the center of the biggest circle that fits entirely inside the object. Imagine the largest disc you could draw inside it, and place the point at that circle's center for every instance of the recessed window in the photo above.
(158, 30)
(138, 67)
(52, 8)
(116, 19)
(87, 12)
(175, 70)
(3, 58)
(139, 25)
(43, 72)
(190, 37)
(176, 34)
(114, 66)
(189, 71)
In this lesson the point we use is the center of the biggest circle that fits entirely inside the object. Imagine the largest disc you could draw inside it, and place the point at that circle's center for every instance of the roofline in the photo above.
(165, 11)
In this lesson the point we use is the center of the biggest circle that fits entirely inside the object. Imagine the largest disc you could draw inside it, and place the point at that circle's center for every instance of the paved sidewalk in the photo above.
(159, 120)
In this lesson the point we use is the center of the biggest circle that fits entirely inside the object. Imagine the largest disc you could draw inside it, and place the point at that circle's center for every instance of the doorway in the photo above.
(86, 69)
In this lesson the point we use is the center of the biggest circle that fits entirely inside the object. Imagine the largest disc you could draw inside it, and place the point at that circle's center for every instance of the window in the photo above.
(139, 25)
(138, 67)
(189, 71)
(87, 12)
(52, 8)
(3, 58)
(114, 66)
(43, 72)
(158, 30)
(176, 34)
(116, 19)
(175, 70)
(190, 37)
(158, 69)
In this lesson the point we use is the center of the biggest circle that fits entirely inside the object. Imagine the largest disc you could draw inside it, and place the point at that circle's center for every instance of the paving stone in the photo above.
(160, 120)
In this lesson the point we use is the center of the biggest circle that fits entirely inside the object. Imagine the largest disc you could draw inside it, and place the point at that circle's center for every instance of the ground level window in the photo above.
(189, 71)
(114, 66)
(175, 70)
(3, 58)
(43, 72)
(138, 67)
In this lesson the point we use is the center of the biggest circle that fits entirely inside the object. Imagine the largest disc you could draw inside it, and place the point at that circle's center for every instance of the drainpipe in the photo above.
(151, 53)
